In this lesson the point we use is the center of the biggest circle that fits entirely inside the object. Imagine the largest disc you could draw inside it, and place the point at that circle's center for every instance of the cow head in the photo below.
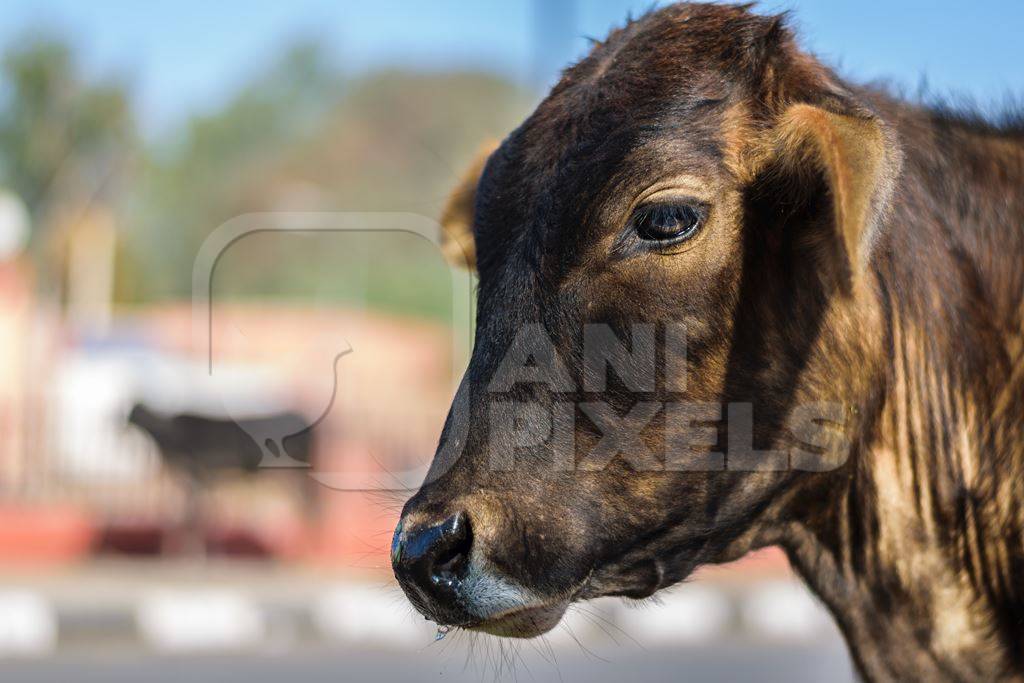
(671, 255)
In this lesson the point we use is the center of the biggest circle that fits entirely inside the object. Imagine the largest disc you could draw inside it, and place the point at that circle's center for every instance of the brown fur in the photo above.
(859, 251)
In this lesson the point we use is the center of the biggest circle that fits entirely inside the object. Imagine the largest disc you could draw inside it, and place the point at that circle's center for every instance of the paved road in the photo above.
(451, 662)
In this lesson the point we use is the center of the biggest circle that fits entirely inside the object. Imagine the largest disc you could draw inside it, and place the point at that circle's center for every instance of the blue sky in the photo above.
(190, 55)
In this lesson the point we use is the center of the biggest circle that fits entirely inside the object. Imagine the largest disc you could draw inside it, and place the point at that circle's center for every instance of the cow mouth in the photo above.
(523, 622)
(535, 620)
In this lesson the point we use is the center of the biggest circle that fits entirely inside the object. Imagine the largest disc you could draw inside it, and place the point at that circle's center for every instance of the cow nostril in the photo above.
(452, 559)
(431, 561)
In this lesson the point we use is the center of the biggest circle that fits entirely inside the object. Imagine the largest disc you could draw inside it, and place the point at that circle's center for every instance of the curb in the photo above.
(223, 619)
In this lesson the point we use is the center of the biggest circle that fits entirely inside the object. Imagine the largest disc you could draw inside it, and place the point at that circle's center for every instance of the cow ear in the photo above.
(457, 215)
(857, 156)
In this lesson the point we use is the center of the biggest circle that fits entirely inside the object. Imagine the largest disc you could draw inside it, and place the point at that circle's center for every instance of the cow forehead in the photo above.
(651, 101)
(663, 70)
(582, 157)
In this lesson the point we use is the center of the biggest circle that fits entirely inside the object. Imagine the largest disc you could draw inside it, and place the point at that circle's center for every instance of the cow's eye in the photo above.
(668, 222)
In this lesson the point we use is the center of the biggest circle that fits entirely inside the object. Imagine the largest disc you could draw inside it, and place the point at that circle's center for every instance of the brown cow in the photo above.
(847, 273)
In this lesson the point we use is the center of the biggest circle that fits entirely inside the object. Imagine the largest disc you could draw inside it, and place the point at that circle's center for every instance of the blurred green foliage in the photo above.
(301, 135)
(304, 137)
(63, 138)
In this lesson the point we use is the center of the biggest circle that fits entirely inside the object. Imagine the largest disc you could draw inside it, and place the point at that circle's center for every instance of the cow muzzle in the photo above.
(444, 572)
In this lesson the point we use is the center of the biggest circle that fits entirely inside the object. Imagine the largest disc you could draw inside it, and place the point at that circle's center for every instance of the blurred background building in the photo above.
(246, 503)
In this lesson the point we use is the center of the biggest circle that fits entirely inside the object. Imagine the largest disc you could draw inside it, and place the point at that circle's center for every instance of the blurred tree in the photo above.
(65, 142)
(190, 184)
(300, 137)
(62, 138)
